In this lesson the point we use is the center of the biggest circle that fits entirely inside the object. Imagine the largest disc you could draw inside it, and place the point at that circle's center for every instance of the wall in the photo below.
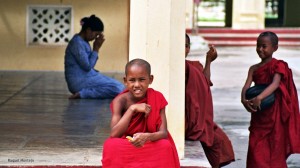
(248, 14)
(189, 6)
(16, 55)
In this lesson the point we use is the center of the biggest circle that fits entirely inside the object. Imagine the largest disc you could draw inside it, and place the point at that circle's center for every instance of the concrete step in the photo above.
(78, 167)
(233, 37)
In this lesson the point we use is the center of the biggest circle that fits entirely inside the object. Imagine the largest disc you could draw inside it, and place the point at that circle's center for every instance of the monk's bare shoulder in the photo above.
(122, 101)
(254, 67)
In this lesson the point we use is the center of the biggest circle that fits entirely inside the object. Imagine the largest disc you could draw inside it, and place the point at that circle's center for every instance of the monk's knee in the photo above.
(164, 144)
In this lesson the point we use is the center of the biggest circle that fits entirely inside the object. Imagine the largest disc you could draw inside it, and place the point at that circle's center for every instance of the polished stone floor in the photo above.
(39, 125)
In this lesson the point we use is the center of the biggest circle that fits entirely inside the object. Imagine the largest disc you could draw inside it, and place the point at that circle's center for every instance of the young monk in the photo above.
(139, 112)
(199, 124)
(275, 131)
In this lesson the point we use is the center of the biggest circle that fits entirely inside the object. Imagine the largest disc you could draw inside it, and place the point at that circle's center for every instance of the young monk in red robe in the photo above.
(274, 131)
(199, 124)
(139, 112)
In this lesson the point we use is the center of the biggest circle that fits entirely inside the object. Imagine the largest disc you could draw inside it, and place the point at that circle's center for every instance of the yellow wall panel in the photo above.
(15, 54)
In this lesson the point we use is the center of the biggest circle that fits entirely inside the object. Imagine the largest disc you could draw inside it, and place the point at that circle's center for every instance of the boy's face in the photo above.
(265, 48)
(137, 80)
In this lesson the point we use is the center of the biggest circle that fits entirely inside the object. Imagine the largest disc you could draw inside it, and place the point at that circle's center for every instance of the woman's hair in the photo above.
(92, 22)
(273, 37)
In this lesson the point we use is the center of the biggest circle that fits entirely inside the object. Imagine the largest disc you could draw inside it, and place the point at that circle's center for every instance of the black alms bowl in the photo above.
(256, 90)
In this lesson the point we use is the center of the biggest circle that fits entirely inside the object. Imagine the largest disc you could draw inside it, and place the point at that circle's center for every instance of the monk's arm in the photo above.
(247, 84)
(119, 123)
(269, 90)
(141, 138)
(211, 55)
(162, 132)
(245, 102)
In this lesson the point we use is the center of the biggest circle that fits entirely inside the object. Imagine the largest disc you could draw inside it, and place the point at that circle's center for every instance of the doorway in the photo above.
(211, 13)
(274, 13)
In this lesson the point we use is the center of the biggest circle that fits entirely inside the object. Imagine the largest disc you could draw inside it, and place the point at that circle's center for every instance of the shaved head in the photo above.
(139, 62)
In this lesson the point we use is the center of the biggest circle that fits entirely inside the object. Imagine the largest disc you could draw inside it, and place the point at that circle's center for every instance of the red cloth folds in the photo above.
(199, 108)
(119, 153)
(199, 124)
(275, 132)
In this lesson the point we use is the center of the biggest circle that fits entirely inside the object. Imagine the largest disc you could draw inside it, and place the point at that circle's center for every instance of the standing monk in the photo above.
(274, 131)
(199, 124)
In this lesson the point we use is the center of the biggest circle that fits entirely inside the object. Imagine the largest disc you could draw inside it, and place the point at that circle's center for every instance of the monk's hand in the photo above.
(139, 139)
(248, 106)
(143, 108)
(211, 54)
(256, 102)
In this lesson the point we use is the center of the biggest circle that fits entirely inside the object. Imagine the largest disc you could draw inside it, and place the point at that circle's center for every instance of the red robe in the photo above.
(275, 132)
(199, 124)
(119, 153)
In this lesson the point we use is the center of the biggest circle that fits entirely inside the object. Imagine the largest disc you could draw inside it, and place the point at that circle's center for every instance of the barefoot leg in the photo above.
(75, 96)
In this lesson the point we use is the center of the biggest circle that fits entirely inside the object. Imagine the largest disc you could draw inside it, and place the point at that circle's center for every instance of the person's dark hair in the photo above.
(139, 62)
(188, 38)
(273, 37)
(92, 22)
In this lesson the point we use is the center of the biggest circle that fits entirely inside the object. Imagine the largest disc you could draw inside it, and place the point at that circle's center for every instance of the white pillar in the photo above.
(248, 14)
(189, 7)
(157, 34)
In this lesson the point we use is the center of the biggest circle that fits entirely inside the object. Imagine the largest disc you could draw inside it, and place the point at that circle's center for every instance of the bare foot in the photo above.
(75, 96)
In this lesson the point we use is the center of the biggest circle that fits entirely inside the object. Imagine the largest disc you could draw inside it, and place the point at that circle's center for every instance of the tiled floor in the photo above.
(40, 126)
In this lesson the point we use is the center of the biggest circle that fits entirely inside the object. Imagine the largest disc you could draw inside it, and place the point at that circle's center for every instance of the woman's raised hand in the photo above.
(98, 42)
